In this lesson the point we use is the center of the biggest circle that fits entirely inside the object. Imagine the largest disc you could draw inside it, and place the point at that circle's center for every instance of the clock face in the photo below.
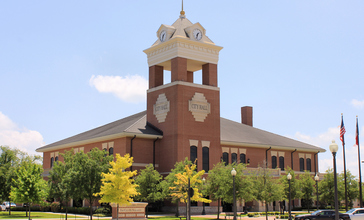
(197, 33)
(163, 36)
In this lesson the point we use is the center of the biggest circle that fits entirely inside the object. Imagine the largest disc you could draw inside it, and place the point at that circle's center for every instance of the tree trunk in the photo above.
(266, 210)
(218, 209)
(29, 210)
(177, 211)
(117, 211)
(66, 210)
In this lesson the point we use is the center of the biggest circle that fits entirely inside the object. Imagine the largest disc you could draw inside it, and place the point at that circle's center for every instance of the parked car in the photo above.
(322, 215)
(356, 213)
(7, 205)
(2, 207)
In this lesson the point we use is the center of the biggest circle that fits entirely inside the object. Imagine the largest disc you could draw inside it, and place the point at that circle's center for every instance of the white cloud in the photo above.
(129, 88)
(21, 138)
(357, 103)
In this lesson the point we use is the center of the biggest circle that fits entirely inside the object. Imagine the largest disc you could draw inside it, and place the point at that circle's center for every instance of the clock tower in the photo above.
(187, 113)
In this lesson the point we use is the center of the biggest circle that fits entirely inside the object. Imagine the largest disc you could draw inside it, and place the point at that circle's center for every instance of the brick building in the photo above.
(182, 118)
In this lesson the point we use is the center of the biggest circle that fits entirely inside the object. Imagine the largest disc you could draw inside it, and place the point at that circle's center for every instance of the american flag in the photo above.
(342, 130)
(357, 133)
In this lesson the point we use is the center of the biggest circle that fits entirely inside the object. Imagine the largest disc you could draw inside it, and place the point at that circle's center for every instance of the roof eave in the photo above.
(98, 139)
(241, 144)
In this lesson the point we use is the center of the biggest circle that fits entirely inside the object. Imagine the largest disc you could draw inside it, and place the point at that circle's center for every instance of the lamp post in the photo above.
(317, 200)
(233, 173)
(334, 148)
(203, 203)
(289, 177)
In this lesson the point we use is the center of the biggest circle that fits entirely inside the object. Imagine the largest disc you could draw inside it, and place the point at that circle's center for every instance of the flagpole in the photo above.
(342, 132)
(357, 143)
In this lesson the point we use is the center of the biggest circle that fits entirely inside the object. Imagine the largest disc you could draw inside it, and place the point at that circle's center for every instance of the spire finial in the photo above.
(182, 15)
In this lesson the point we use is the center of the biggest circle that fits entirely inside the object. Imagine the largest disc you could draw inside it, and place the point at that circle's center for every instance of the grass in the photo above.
(35, 215)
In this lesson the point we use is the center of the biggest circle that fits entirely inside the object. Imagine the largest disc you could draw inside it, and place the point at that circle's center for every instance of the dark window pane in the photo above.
(193, 155)
(302, 164)
(234, 158)
(281, 163)
(225, 158)
(205, 159)
(274, 162)
(56, 159)
(242, 158)
(308, 164)
(111, 151)
(52, 161)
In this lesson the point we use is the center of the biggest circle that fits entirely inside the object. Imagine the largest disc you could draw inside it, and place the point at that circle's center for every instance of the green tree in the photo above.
(308, 188)
(296, 192)
(352, 186)
(171, 178)
(266, 188)
(59, 181)
(150, 189)
(327, 188)
(220, 183)
(8, 163)
(118, 184)
(85, 174)
(29, 186)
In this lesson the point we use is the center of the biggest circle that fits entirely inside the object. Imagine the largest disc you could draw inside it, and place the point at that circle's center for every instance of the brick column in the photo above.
(155, 76)
(209, 74)
(179, 69)
(190, 76)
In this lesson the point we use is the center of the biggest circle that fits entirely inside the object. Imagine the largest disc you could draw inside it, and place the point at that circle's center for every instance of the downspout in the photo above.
(131, 150)
(154, 151)
(292, 158)
(315, 162)
(266, 157)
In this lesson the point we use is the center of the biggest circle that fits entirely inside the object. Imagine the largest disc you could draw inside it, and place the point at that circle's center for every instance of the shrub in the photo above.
(283, 216)
(250, 215)
(55, 206)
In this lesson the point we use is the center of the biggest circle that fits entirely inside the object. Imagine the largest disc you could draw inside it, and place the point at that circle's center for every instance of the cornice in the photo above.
(161, 54)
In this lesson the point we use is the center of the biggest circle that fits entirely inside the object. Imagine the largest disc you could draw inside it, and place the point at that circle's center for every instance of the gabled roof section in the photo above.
(129, 126)
(238, 134)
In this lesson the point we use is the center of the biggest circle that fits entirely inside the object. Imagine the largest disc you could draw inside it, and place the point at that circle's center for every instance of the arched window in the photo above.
(234, 158)
(281, 162)
(56, 159)
(308, 164)
(302, 164)
(274, 162)
(242, 158)
(52, 159)
(111, 151)
(225, 158)
(206, 159)
(193, 155)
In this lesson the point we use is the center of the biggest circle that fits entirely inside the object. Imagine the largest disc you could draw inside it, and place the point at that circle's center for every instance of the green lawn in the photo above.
(35, 215)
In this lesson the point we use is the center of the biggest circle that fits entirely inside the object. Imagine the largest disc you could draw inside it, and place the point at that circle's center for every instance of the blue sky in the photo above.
(70, 66)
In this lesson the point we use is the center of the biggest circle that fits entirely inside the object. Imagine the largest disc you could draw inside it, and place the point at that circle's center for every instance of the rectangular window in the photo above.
(205, 159)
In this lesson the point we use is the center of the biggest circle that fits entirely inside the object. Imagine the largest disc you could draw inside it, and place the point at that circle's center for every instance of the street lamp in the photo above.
(289, 177)
(233, 173)
(317, 200)
(203, 203)
(334, 148)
